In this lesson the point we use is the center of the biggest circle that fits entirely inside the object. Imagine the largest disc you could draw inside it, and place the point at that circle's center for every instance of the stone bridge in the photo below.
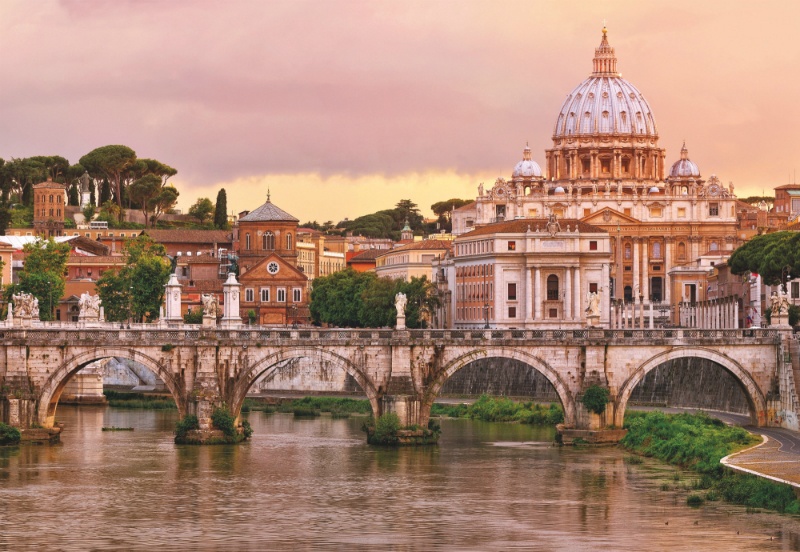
(399, 371)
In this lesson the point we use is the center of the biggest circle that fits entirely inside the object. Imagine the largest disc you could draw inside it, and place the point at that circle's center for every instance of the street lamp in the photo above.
(49, 300)
(785, 277)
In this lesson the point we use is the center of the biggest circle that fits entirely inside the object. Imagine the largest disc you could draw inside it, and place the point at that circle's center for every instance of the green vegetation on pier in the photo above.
(139, 400)
(698, 442)
(9, 435)
(500, 409)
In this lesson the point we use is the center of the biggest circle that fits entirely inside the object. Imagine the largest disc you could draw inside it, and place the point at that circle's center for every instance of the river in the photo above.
(314, 483)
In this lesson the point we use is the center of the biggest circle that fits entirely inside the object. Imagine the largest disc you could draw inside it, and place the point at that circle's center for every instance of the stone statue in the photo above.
(780, 303)
(90, 305)
(553, 227)
(593, 302)
(24, 305)
(84, 182)
(210, 305)
(35, 309)
(480, 189)
(400, 303)
(775, 302)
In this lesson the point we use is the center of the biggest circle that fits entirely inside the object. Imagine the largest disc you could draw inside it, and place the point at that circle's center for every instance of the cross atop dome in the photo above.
(605, 62)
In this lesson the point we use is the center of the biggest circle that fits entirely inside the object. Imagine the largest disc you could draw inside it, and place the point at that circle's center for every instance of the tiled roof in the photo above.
(268, 212)
(519, 226)
(190, 236)
(368, 255)
(468, 207)
(424, 245)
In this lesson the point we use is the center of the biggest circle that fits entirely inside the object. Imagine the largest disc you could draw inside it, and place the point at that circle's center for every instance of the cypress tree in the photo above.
(105, 191)
(221, 210)
(73, 195)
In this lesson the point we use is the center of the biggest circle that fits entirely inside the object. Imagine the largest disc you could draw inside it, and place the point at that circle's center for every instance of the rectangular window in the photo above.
(627, 211)
(592, 287)
(587, 212)
(281, 295)
(512, 312)
(681, 212)
(297, 295)
(627, 269)
(713, 209)
(265, 295)
(512, 246)
(512, 291)
(553, 313)
(655, 212)
(249, 295)
(592, 245)
(795, 290)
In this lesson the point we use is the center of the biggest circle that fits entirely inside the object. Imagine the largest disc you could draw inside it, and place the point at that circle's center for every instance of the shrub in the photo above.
(184, 426)
(9, 435)
(595, 399)
(386, 429)
(247, 429)
(224, 421)
(694, 500)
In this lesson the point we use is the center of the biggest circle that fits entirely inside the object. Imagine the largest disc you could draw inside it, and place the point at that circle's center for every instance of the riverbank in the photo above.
(698, 443)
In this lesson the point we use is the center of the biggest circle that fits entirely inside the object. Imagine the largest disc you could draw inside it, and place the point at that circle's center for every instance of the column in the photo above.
(577, 294)
(230, 309)
(172, 298)
(735, 313)
(567, 304)
(667, 259)
(528, 295)
(605, 298)
(537, 292)
(637, 285)
(618, 287)
(645, 270)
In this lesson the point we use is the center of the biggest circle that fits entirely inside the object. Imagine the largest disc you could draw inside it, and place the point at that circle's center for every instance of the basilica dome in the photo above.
(605, 103)
(527, 168)
(684, 167)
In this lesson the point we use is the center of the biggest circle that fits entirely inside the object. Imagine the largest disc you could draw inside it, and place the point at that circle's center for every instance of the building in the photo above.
(412, 260)
(528, 273)
(787, 200)
(274, 289)
(606, 169)
(49, 202)
(364, 260)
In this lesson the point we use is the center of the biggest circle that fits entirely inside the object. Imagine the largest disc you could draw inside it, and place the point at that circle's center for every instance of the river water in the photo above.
(314, 483)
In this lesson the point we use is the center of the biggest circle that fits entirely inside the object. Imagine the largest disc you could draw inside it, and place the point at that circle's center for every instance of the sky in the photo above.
(341, 108)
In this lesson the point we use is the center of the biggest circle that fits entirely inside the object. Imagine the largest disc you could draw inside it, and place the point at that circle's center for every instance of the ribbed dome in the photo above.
(684, 167)
(527, 168)
(605, 103)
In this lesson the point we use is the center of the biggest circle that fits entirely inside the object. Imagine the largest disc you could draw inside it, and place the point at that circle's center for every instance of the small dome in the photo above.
(558, 190)
(684, 167)
(527, 168)
(654, 189)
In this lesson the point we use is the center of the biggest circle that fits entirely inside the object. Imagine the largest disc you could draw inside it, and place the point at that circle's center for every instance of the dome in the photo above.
(684, 167)
(605, 103)
(559, 190)
(527, 168)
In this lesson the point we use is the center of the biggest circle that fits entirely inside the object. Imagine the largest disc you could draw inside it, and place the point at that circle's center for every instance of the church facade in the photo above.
(607, 170)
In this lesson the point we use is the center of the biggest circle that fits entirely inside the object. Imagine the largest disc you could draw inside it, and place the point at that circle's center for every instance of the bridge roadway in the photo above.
(399, 371)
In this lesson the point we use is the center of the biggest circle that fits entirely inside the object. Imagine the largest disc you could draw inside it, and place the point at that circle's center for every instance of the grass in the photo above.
(499, 409)
(698, 443)
(139, 400)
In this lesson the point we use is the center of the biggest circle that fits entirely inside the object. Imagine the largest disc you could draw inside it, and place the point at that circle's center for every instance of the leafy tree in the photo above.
(19, 176)
(74, 196)
(773, 256)
(221, 210)
(193, 316)
(5, 219)
(407, 210)
(336, 298)
(444, 210)
(153, 197)
(105, 193)
(137, 290)
(202, 210)
(110, 162)
(755, 200)
(43, 275)
(595, 399)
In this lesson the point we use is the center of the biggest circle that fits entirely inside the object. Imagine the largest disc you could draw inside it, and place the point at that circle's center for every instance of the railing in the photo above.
(151, 334)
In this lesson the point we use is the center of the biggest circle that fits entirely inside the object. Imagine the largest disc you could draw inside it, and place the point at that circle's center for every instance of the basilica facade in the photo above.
(607, 170)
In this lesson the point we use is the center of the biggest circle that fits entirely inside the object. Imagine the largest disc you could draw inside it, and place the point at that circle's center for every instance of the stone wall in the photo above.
(500, 377)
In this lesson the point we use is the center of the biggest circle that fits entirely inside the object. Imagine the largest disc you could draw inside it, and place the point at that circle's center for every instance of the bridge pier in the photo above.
(408, 408)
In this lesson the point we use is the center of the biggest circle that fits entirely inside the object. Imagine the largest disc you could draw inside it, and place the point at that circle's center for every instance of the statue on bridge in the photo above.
(779, 307)
(24, 305)
(210, 305)
(593, 302)
(90, 306)
(400, 304)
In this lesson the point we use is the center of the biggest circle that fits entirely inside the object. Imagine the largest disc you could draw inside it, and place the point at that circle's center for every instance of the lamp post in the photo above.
(785, 277)
(294, 316)
(130, 306)
(49, 300)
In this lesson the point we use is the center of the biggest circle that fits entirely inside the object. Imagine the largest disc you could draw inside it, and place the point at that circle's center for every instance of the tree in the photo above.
(43, 275)
(202, 210)
(110, 162)
(773, 256)
(221, 210)
(155, 198)
(444, 210)
(336, 298)
(137, 290)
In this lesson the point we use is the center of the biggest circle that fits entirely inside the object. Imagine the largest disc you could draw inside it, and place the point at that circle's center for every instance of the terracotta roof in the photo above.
(95, 259)
(467, 207)
(368, 255)
(520, 226)
(190, 236)
(417, 245)
(268, 212)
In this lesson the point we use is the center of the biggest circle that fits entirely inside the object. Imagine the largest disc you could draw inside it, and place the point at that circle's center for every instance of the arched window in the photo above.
(51, 198)
(552, 288)
(628, 294)
(656, 250)
(268, 241)
(714, 246)
(682, 250)
(289, 242)
(247, 241)
(627, 251)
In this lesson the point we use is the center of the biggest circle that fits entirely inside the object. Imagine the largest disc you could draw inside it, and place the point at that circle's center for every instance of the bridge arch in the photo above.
(755, 398)
(456, 364)
(54, 385)
(266, 366)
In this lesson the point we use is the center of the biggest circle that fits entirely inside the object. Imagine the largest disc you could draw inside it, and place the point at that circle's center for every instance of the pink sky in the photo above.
(344, 107)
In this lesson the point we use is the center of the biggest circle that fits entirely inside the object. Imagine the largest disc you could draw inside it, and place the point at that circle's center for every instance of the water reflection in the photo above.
(314, 483)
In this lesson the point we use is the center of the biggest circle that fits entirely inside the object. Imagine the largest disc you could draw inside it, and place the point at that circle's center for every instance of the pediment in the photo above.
(609, 216)
(260, 271)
